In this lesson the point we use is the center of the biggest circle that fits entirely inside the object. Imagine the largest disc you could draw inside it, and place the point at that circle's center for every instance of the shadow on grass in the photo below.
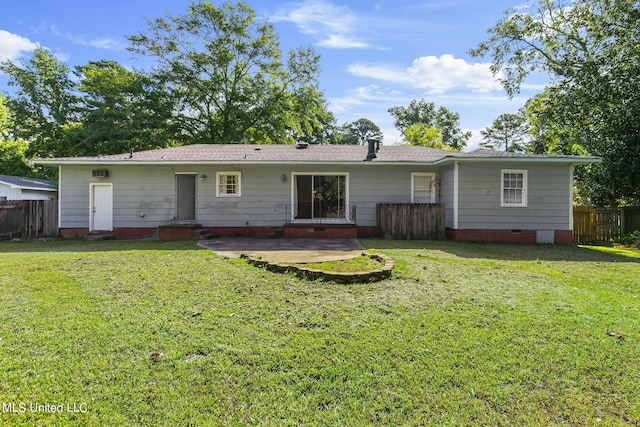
(506, 252)
(77, 245)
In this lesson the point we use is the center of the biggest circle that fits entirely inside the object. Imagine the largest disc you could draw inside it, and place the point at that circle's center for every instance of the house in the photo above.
(20, 188)
(315, 190)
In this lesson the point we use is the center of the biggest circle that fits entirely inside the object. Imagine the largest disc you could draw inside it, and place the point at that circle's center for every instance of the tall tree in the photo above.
(446, 121)
(549, 125)
(227, 74)
(6, 119)
(362, 130)
(12, 152)
(423, 135)
(590, 48)
(508, 131)
(45, 102)
(122, 110)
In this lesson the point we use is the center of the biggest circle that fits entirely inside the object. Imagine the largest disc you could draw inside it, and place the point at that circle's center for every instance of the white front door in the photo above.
(101, 207)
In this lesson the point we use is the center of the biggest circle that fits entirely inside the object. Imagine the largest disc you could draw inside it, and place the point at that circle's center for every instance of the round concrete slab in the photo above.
(286, 250)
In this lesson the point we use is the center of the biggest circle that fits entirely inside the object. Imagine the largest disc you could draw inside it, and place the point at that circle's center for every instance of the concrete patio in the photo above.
(285, 250)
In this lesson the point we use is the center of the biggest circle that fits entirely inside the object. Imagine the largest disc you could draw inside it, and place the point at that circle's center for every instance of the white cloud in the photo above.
(332, 25)
(435, 74)
(338, 41)
(12, 46)
(365, 97)
(79, 39)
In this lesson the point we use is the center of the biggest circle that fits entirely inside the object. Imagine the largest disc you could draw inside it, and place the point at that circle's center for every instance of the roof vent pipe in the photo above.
(371, 154)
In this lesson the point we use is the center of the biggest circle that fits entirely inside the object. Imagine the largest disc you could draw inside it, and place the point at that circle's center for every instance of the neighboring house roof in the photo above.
(28, 183)
(273, 153)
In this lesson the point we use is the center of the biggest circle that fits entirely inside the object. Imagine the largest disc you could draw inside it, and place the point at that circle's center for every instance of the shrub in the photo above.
(631, 239)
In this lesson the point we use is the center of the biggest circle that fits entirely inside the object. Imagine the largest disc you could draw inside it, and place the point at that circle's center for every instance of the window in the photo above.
(514, 188)
(228, 184)
(421, 188)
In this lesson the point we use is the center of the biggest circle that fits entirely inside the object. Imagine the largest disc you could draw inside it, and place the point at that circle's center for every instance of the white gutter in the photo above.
(564, 159)
(226, 162)
(571, 160)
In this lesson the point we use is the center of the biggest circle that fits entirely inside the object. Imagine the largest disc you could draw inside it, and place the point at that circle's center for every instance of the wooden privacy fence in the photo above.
(410, 221)
(28, 219)
(601, 225)
(630, 219)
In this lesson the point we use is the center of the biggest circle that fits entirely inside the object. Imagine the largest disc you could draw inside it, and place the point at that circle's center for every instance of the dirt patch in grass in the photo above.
(359, 264)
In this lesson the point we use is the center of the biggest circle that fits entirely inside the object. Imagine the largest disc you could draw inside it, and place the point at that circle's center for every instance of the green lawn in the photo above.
(168, 334)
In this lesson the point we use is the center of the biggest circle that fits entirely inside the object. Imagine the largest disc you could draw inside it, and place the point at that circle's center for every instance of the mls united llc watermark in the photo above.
(43, 408)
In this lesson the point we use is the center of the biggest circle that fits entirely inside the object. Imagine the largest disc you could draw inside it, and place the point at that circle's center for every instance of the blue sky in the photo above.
(375, 54)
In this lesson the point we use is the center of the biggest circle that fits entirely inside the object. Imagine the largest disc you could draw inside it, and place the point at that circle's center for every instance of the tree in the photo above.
(227, 75)
(362, 130)
(6, 119)
(549, 130)
(423, 135)
(590, 49)
(508, 131)
(307, 117)
(12, 152)
(122, 110)
(13, 160)
(45, 103)
(342, 135)
(446, 121)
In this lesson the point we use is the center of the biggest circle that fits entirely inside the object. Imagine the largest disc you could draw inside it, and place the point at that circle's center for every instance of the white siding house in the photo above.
(262, 189)
(21, 188)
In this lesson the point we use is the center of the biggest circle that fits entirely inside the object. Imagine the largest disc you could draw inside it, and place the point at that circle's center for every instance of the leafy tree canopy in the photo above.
(12, 158)
(45, 103)
(228, 78)
(122, 110)
(591, 50)
(421, 134)
(362, 130)
(508, 132)
(446, 121)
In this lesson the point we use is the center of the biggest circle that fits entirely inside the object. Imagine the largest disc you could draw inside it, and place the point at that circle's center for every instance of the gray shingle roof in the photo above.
(268, 153)
(28, 183)
(247, 153)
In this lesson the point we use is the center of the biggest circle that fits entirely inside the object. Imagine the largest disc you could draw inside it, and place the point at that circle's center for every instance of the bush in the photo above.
(632, 239)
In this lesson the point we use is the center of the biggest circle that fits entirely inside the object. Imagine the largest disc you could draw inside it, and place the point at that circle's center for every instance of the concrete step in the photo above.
(202, 234)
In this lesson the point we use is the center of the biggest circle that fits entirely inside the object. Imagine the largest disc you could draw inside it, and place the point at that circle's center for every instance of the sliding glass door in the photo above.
(320, 196)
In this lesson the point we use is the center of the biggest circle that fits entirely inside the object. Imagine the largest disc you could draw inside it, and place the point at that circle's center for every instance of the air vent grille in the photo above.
(100, 173)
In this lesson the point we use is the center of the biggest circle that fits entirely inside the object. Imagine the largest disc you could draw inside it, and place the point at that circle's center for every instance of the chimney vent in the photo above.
(371, 153)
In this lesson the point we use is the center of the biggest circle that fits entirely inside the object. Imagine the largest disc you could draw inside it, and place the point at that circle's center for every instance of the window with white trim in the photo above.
(228, 184)
(514, 188)
(422, 190)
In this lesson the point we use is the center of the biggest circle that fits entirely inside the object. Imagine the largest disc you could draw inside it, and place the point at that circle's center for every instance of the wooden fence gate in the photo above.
(28, 219)
(602, 225)
(410, 221)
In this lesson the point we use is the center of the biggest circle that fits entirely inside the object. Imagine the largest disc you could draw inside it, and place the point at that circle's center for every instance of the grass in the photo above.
(157, 333)
(354, 265)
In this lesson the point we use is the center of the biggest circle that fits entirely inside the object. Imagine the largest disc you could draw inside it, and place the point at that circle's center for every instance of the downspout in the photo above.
(571, 169)
(59, 199)
(456, 167)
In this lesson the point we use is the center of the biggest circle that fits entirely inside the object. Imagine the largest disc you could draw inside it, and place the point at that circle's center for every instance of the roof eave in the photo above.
(23, 187)
(228, 162)
(568, 160)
